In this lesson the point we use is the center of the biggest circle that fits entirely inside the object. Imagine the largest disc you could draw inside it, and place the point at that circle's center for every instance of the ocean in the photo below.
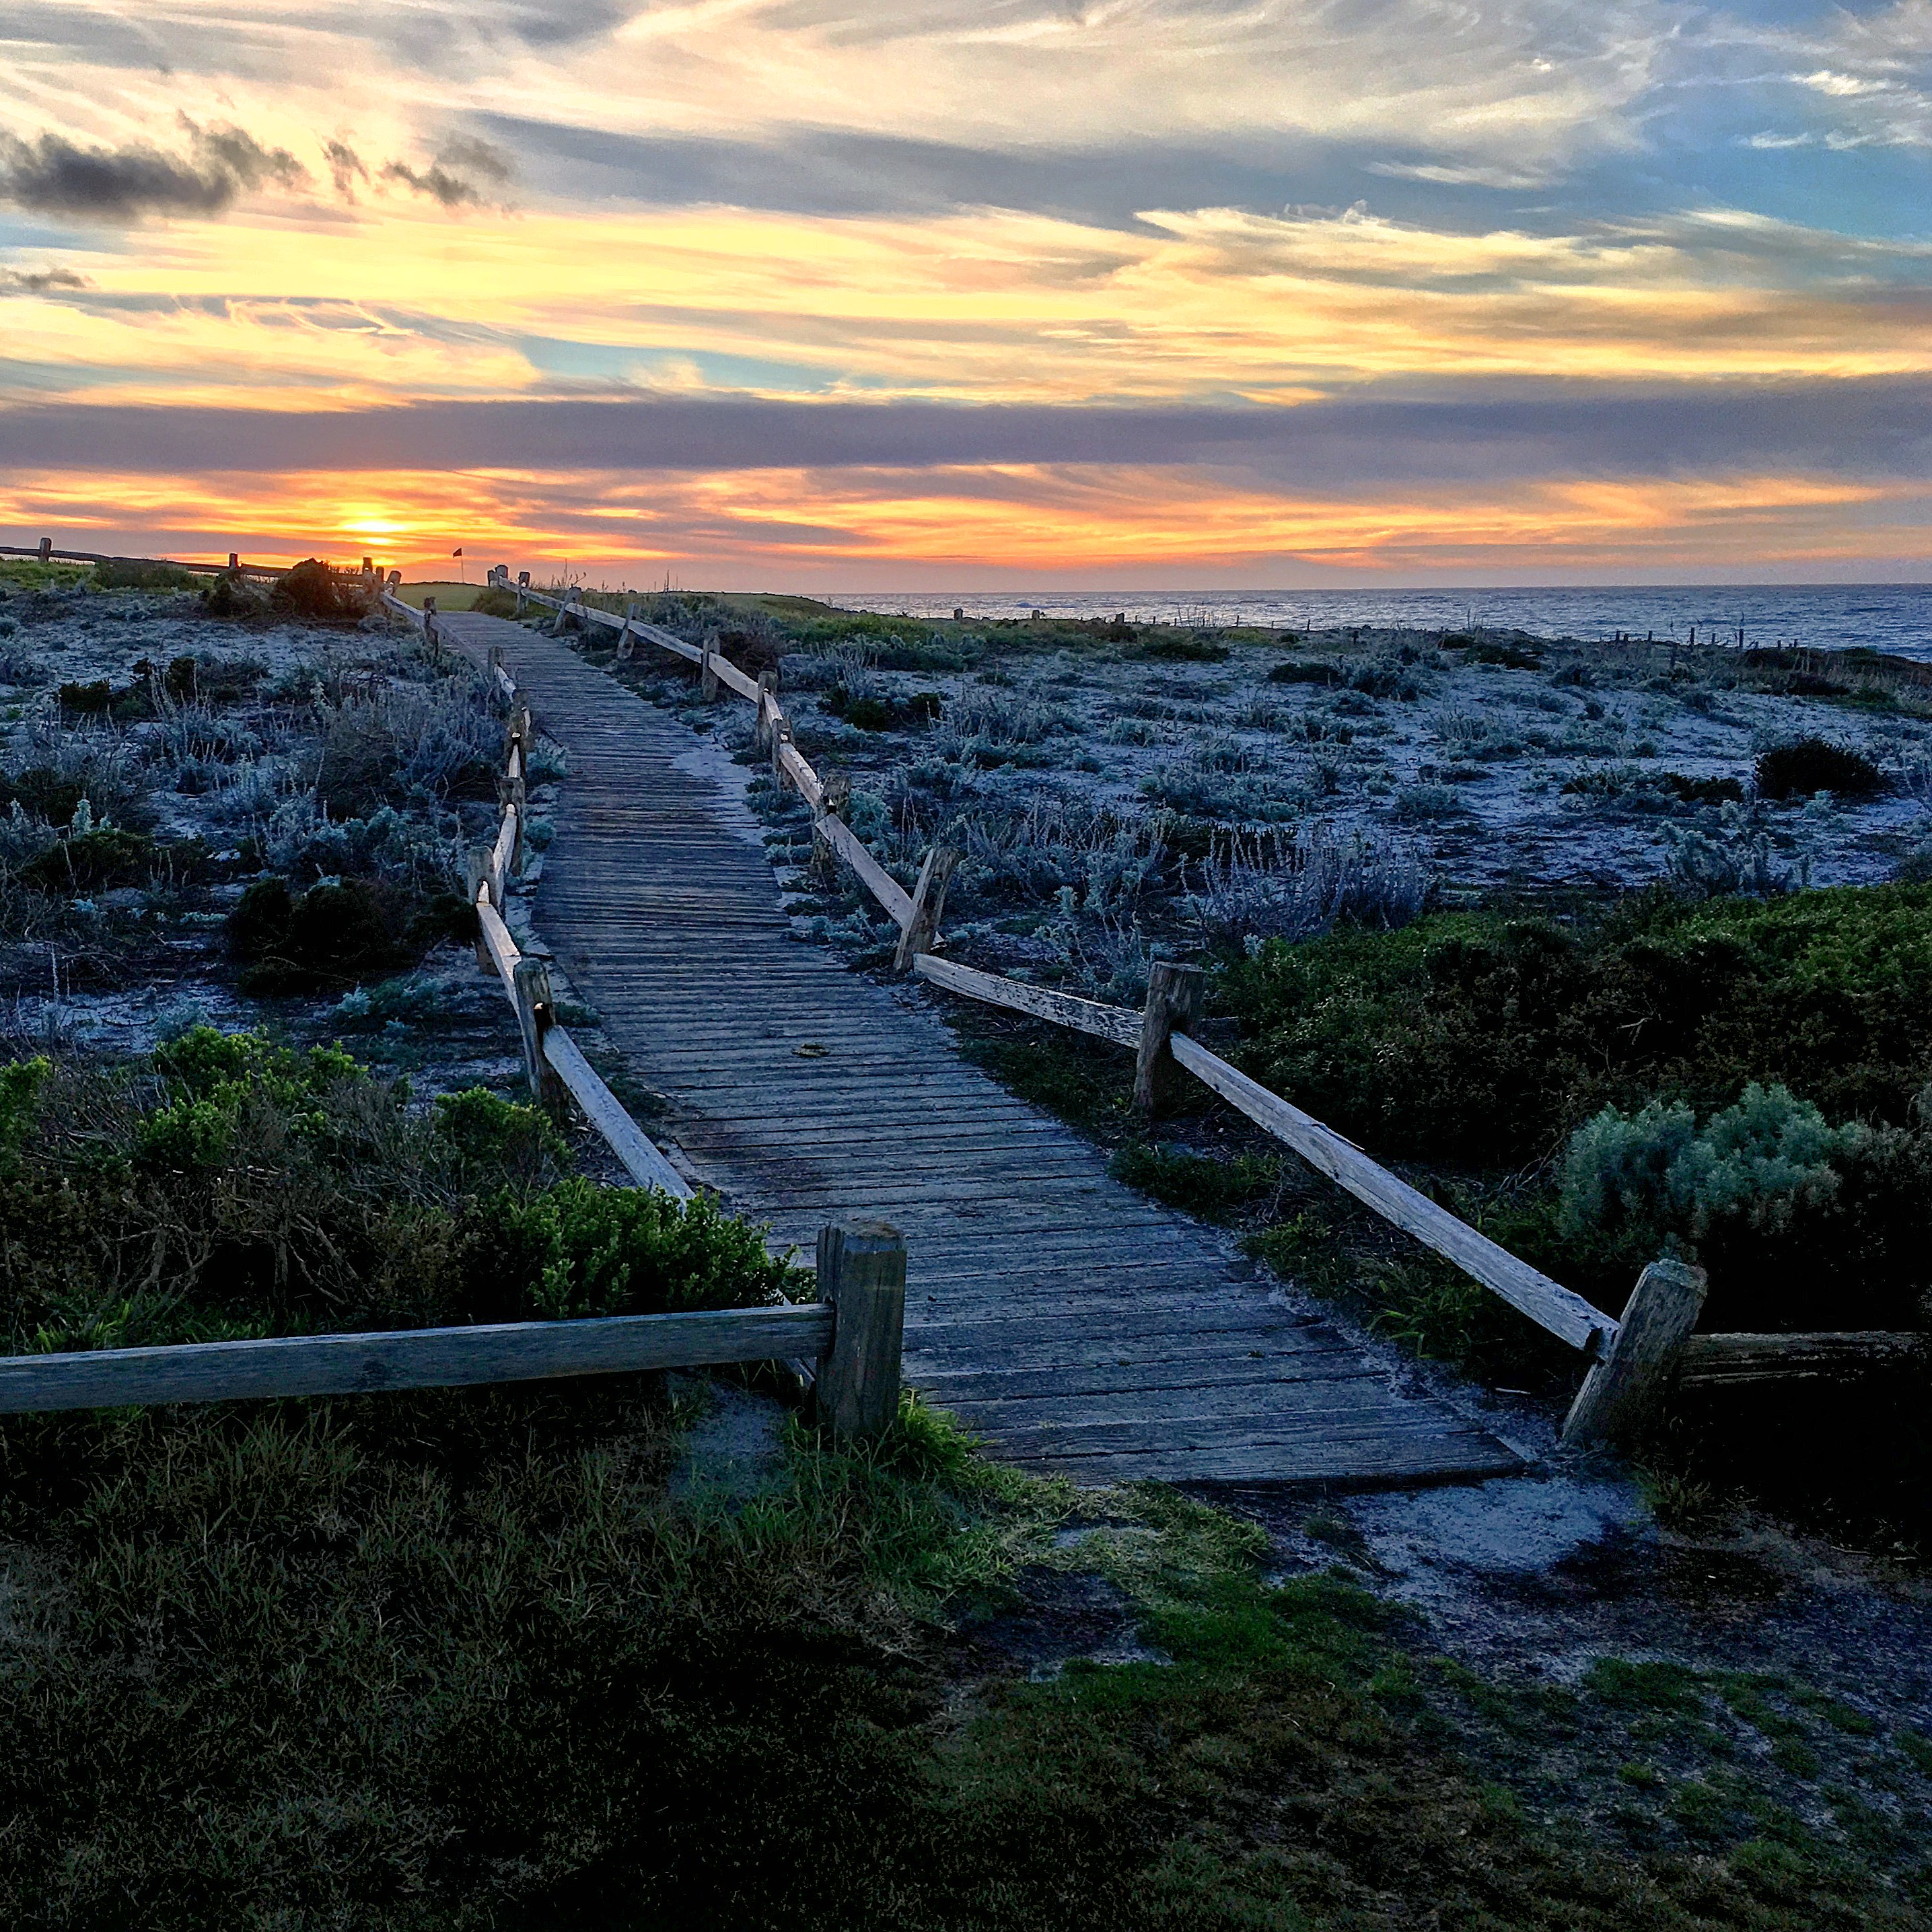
(1893, 617)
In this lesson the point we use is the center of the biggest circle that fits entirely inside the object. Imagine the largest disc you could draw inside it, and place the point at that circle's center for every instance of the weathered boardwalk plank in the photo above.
(1079, 1328)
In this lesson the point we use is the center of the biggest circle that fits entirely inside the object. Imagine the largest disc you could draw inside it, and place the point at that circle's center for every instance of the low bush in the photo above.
(315, 593)
(1482, 1039)
(1787, 1213)
(88, 861)
(1179, 647)
(1506, 655)
(130, 574)
(1305, 673)
(1703, 791)
(238, 1188)
(496, 602)
(1811, 765)
(879, 711)
(331, 936)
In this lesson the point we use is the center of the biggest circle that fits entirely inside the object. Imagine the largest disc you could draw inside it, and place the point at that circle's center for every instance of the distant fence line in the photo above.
(44, 552)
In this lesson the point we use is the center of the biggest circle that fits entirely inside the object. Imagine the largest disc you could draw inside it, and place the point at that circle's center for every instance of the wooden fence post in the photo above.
(1174, 995)
(47, 551)
(535, 1014)
(476, 876)
(511, 797)
(781, 738)
(496, 665)
(928, 902)
(707, 675)
(862, 1272)
(834, 794)
(762, 732)
(624, 646)
(1621, 1394)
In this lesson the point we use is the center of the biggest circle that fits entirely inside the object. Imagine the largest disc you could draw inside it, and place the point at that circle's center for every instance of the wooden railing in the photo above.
(855, 1330)
(1634, 1359)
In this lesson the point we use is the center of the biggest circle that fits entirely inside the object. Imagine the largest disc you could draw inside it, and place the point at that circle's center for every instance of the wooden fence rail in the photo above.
(45, 553)
(854, 1330)
(1634, 1360)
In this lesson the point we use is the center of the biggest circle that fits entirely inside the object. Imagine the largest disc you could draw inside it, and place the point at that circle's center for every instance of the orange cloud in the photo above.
(1023, 521)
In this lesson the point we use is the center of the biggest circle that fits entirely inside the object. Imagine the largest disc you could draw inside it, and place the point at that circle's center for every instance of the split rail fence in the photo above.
(1634, 1359)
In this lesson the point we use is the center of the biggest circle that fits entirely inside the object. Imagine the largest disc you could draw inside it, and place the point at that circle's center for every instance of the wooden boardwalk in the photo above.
(1080, 1328)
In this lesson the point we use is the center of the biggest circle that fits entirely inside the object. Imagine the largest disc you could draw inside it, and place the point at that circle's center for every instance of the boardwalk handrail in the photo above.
(1634, 1359)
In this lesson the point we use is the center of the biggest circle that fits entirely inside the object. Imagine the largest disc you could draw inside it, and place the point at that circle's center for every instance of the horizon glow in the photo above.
(882, 299)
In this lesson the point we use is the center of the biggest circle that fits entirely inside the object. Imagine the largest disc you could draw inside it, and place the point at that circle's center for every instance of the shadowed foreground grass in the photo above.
(463, 1659)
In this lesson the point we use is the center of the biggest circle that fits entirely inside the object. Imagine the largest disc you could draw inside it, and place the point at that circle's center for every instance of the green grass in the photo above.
(463, 1659)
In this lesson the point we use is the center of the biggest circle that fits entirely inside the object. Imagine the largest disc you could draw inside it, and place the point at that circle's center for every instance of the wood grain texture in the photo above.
(873, 876)
(861, 1273)
(409, 1358)
(1564, 1314)
(642, 1160)
(1032, 1275)
(1717, 1360)
(1621, 1395)
(1113, 1023)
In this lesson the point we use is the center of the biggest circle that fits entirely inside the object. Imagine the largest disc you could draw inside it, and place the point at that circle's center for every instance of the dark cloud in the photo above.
(449, 179)
(1857, 428)
(38, 281)
(476, 157)
(54, 175)
(346, 168)
(452, 190)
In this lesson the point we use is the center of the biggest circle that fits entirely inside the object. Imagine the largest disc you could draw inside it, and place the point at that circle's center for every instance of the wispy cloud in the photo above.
(1284, 268)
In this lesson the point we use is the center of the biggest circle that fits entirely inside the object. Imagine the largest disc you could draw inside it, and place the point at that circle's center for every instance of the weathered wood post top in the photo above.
(862, 1272)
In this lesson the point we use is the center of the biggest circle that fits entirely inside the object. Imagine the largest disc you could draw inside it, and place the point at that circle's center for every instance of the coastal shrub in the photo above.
(236, 1186)
(233, 596)
(1429, 801)
(577, 1250)
(87, 699)
(1811, 765)
(1180, 647)
(331, 936)
(496, 602)
(314, 593)
(130, 574)
(88, 861)
(1767, 1158)
(1737, 859)
(1505, 655)
(1790, 1214)
(110, 782)
(437, 742)
(1487, 1039)
(1290, 885)
(1296, 672)
(1703, 791)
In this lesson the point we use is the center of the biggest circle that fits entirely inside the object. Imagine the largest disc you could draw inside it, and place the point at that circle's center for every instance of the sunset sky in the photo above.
(776, 293)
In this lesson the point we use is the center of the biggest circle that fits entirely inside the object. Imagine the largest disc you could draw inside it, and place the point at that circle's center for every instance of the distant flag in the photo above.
(457, 551)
